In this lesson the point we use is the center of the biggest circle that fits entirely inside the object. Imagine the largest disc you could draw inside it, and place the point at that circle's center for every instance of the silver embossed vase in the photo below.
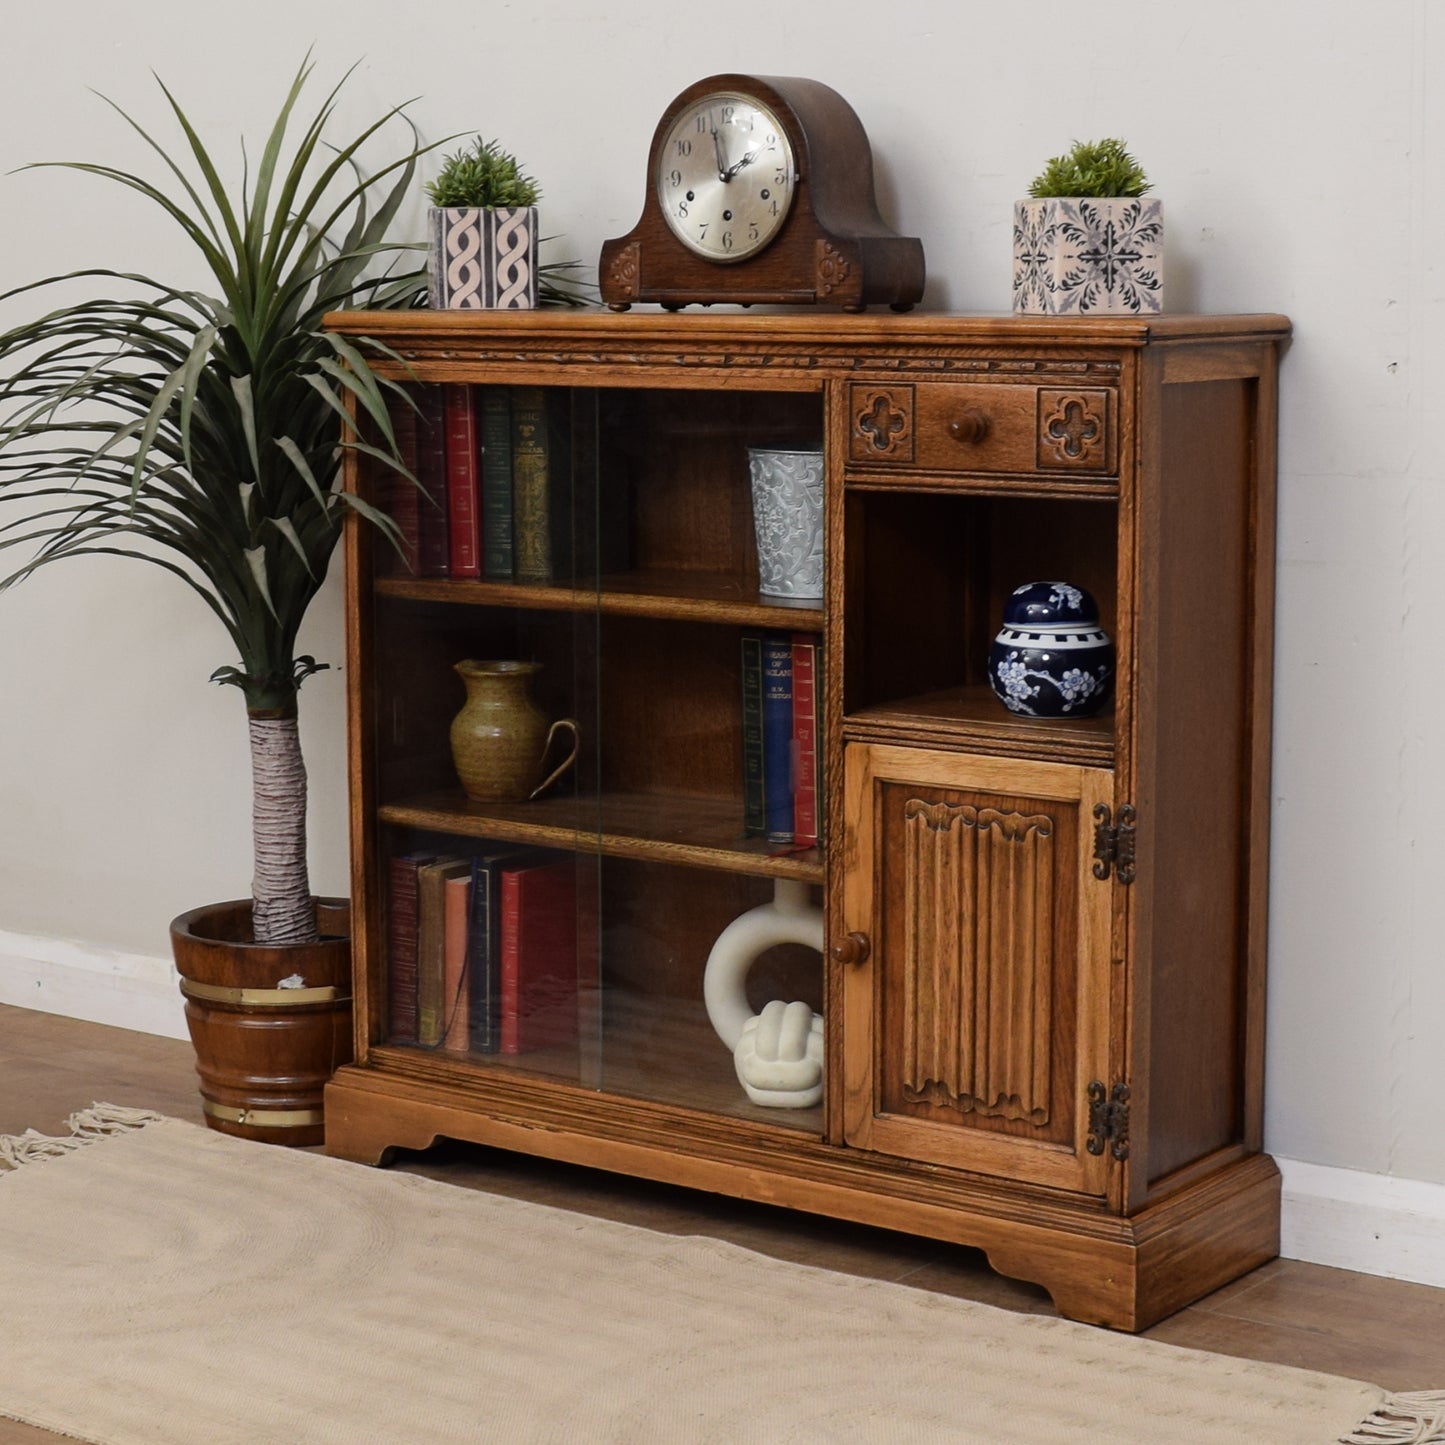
(788, 519)
(1051, 658)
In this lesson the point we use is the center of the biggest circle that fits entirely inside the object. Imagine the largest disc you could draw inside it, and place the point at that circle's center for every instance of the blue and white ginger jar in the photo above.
(1051, 658)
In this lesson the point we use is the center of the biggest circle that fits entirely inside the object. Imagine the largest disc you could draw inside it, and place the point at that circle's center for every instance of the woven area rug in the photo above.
(163, 1283)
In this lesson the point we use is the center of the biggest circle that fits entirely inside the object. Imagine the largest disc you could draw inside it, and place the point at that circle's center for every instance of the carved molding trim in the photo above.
(979, 959)
(840, 359)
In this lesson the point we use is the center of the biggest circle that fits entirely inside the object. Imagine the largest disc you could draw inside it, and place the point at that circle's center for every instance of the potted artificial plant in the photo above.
(483, 241)
(1087, 242)
(200, 430)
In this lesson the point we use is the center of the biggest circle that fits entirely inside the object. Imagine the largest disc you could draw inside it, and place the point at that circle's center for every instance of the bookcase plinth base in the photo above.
(1126, 1273)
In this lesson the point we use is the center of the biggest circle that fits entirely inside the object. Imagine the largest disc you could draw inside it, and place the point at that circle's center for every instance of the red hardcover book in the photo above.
(456, 910)
(431, 470)
(402, 922)
(464, 474)
(805, 740)
(539, 956)
(400, 499)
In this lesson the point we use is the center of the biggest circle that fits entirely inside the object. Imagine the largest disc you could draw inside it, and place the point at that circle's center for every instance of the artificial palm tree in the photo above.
(202, 433)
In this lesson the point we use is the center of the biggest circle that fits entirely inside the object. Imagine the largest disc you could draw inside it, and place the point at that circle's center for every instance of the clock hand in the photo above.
(723, 174)
(747, 160)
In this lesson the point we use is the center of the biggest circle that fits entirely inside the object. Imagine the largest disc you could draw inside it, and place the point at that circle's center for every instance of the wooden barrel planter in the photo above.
(270, 1025)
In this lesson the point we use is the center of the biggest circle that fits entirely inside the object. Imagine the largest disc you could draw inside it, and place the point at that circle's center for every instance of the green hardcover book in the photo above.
(754, 815)
(498, 557)
(541, 485)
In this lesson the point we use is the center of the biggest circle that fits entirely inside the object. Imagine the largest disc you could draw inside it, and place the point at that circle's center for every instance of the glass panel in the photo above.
(566, 934)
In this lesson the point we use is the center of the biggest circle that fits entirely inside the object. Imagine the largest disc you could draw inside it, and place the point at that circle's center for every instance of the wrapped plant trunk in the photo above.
(282, 908)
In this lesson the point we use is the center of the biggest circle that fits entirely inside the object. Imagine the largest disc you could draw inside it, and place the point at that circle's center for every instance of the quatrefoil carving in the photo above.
(882, 424)
(1073, 429)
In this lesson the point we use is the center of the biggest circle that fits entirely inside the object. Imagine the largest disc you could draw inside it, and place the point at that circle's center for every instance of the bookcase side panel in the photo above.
(1194, 735)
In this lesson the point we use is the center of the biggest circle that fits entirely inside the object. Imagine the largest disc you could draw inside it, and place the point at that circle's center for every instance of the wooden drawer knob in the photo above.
(970, 428)
(852, 950)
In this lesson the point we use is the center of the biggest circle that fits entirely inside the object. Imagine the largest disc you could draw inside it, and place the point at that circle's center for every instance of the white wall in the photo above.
(1296, 145)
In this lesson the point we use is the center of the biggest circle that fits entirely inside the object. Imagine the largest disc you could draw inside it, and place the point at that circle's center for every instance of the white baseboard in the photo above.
(82, 981)
(1372, 1223)
(1340, 1217)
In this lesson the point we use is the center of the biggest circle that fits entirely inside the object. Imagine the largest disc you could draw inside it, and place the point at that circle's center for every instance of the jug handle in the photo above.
(562, 722)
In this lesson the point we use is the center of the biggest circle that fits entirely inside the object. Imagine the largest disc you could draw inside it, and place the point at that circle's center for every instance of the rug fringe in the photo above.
(100, 1121)
(1416, 1418)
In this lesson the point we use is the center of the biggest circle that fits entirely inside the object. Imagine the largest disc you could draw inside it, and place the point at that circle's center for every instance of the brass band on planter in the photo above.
(263, 997)
(264, 1118)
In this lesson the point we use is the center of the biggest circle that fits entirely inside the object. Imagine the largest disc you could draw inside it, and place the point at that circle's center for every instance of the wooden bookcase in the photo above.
(1063, 1068)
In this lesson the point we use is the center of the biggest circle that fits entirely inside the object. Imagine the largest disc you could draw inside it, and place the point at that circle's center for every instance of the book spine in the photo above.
(509, 962)
(434, 553)
(805, 740)
(777, 737)
(400, 499)
(464, 502)
(531, 519)
(402, 920)
(754, 817)
(496, 431)
(429, 951)
(483, 956)
(455, 1010)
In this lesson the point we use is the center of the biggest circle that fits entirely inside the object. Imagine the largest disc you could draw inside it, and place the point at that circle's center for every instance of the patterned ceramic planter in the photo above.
(1088, 257)
(482, 259)
(1051, 658)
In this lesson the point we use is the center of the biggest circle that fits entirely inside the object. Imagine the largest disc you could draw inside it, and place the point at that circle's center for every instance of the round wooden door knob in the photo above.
(852, 950)
(970, 428)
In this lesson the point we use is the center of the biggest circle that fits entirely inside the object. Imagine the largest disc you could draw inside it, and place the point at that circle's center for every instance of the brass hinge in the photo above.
(1109, 1119)
(1114, 842)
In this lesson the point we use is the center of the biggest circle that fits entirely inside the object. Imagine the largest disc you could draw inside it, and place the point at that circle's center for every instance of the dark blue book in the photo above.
(778, 737)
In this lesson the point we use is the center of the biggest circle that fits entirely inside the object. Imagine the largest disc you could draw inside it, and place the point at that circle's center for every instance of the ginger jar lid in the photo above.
(1050, 604)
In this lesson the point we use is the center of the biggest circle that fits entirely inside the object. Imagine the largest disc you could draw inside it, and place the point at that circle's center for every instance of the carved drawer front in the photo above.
(976, 427)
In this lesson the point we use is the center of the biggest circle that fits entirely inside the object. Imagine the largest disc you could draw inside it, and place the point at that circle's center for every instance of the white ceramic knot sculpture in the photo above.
(778, 1053)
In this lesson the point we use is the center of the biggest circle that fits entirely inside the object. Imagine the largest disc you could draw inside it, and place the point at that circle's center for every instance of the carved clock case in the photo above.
(1043, 977)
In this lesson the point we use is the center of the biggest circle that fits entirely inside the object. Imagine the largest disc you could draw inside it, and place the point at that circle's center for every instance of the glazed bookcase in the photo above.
(1043, 978)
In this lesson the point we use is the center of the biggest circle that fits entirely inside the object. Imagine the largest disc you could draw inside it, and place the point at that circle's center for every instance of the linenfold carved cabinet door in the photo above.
(978, 1014)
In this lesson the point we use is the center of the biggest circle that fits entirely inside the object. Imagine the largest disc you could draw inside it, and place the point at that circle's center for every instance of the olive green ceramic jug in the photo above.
(500, 738)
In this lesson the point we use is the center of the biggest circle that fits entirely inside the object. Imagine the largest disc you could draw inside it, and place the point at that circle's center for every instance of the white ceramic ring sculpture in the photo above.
(778, 1053)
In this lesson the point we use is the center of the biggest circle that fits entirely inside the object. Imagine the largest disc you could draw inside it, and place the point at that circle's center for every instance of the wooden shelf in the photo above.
(682, 595)
(974, 717)
(659, 1049)
(687, 832)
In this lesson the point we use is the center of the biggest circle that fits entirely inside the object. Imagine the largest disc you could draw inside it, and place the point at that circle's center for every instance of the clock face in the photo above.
(725, 177)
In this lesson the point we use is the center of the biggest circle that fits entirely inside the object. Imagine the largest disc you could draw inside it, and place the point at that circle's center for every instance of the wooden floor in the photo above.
(1357, 1325)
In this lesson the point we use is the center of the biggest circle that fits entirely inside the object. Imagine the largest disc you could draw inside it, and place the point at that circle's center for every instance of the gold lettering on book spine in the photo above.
(979, 959)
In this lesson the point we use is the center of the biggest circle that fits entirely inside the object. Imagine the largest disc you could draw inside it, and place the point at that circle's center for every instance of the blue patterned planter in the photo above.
(1051, 658)
(1088, 257)
(482, 259)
